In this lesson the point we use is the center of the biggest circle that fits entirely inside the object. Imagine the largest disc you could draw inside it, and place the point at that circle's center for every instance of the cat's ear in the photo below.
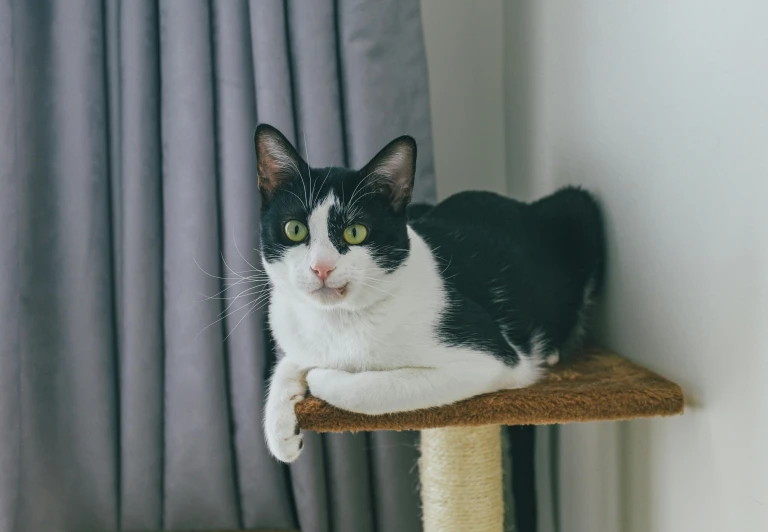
(392, 171)
(278, 161)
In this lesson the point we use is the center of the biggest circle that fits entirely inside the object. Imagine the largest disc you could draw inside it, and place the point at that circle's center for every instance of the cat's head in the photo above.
(332, 236)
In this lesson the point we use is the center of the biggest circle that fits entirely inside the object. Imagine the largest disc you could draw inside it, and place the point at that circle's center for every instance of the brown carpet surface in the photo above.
(596, 385)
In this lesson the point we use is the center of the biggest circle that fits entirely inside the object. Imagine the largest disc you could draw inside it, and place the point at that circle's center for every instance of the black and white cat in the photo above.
(377, 313)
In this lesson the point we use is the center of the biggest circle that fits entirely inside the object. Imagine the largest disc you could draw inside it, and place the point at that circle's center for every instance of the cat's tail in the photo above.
(572, 221)
(571, 218)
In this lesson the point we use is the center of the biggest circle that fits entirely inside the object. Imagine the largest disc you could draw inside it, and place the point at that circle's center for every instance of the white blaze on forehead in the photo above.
(320, 247)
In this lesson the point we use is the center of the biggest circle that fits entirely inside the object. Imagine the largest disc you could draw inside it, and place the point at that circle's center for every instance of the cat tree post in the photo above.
(460, 465)
(461, 479)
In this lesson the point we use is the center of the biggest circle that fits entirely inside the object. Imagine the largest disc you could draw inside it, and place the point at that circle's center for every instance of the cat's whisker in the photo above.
(298, 198)
(360, 183)
(233, 272)
(238, 296)
(254, 290)
(234, 238)
(354, 200)
(322, 185)
(256, 305)
(351, 205)
(366, 184)
(227, 286)
(221, 318)
(303, 184)
(309, 168)
(375, 279)
(205, 272)
(250, 310)
(227, 279)
(376, 288)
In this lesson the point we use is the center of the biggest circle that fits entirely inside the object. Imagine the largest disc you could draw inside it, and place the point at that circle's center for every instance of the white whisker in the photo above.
(321, 186)
(251, 310)
(234, 238)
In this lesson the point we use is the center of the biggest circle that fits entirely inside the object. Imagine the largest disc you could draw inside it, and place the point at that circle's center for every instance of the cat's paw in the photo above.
(281, 427)
(553, 358)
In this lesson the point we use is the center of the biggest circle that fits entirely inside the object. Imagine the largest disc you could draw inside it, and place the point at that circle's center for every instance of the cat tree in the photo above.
(460, 467)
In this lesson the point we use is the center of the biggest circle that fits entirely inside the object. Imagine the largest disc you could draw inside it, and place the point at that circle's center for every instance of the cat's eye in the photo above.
(355, 234)
(295, 230)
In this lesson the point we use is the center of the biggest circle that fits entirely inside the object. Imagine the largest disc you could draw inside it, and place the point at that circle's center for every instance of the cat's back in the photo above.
(485, 232)
(474, 225)
(529, 265)
(469, 211)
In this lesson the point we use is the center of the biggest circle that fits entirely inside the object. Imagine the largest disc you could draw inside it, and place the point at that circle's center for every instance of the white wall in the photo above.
(661, 108)
(464, 42)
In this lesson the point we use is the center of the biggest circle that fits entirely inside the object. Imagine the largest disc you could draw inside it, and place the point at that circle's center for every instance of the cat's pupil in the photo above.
(354, 232)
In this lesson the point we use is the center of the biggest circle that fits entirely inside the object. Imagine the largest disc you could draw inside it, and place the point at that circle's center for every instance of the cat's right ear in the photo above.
(278, 161)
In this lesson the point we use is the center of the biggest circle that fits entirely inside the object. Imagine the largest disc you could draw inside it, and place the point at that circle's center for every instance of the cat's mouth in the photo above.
(328, 293)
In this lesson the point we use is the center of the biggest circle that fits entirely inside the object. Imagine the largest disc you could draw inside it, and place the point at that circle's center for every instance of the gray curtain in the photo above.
(125, 156)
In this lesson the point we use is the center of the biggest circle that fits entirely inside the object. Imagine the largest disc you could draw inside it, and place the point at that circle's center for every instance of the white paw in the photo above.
(280, 424)
(553, 358)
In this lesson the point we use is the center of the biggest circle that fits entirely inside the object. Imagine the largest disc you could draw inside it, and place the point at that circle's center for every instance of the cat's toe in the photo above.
(288, 450)
(284, 438)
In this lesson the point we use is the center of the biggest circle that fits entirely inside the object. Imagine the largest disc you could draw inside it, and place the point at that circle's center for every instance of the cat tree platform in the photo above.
(460, 466)
(596, 386)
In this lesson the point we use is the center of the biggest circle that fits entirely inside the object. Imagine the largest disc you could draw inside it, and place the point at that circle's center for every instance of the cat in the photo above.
(382, 307)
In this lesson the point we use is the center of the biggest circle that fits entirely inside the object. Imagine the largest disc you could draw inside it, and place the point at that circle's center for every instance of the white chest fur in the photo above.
(397, 332)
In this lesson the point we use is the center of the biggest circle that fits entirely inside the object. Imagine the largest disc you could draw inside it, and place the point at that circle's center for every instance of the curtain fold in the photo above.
(133, 365)
(10, 356)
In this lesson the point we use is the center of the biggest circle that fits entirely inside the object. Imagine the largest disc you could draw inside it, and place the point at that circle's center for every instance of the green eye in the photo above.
(355, 234)
(295, 230)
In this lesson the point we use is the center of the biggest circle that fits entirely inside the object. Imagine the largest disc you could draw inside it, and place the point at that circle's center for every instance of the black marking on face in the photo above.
(374, 197)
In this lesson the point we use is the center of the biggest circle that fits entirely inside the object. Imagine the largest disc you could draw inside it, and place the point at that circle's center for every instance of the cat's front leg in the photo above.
(404, 389)
(281, 429)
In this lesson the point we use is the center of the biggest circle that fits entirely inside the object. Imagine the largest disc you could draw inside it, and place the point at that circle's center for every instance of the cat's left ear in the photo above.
(392, 171)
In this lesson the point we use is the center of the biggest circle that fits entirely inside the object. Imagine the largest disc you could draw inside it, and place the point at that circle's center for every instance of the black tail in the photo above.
(572, 218)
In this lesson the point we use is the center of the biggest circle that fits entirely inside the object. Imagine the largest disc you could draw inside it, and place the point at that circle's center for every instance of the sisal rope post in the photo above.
(461, 479)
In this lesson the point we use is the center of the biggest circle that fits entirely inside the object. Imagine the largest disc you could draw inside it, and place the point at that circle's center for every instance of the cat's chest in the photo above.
(331, 341)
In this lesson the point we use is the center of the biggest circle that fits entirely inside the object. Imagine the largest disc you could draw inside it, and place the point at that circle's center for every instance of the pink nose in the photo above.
(322, 270)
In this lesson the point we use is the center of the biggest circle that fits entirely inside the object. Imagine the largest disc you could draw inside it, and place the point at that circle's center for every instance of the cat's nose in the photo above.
(322, 270)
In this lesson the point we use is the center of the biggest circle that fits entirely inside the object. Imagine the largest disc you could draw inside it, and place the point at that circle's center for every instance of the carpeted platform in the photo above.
(597, 385)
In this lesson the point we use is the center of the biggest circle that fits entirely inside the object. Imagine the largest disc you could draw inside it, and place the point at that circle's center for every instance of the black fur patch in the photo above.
(514, 273)
(514, 270)
(387, 239)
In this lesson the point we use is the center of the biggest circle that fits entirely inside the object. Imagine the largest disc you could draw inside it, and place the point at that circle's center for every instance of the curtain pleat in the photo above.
(140, 264)
(10, 352)
(134, 360)
(199, 475)
(68, 456)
